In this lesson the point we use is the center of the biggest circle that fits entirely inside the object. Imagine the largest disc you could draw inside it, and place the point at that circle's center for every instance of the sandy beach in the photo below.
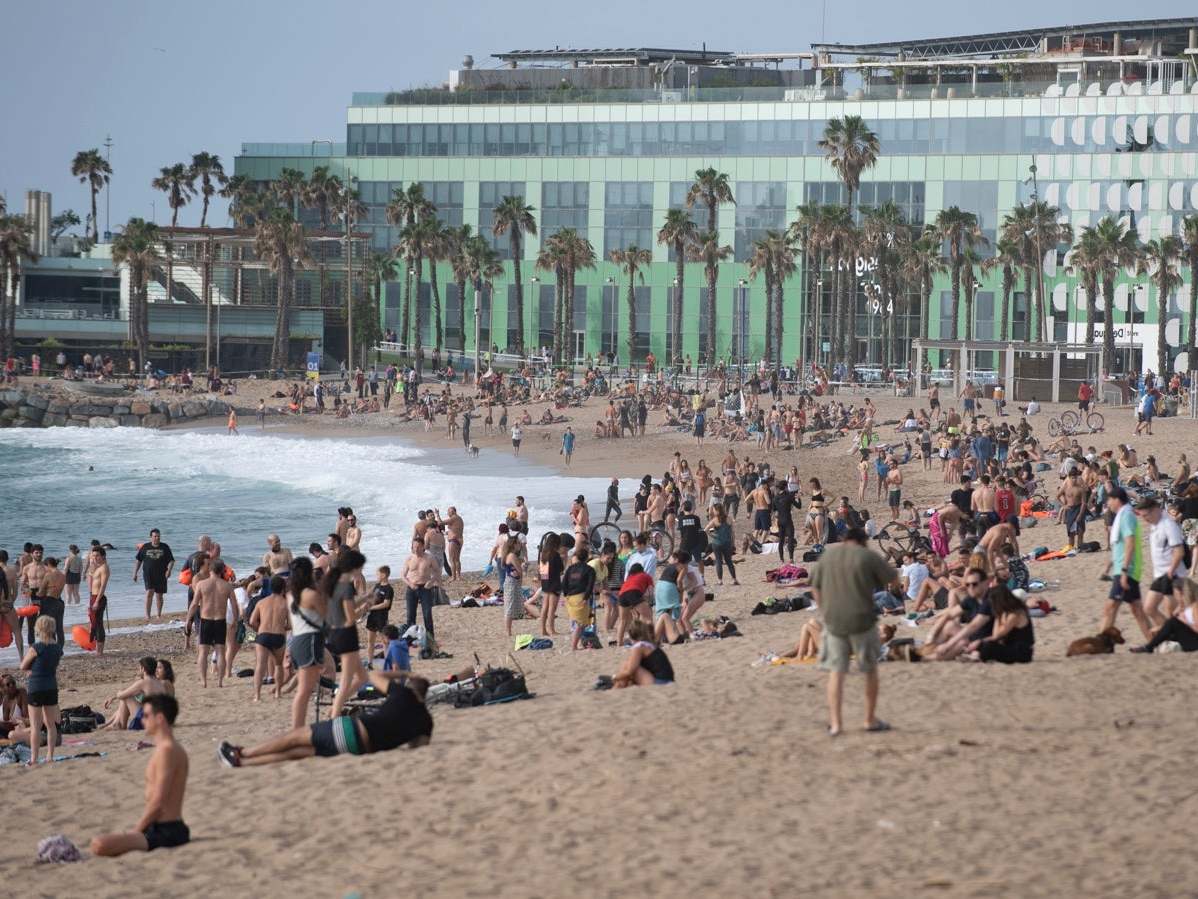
(1066, 777)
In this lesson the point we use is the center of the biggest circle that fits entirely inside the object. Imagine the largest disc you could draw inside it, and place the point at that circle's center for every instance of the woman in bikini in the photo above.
(862, 475)
(703, 481)
(131, 698)
(817, 513)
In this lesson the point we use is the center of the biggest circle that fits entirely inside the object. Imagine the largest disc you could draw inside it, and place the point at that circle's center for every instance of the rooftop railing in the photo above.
(965, 87)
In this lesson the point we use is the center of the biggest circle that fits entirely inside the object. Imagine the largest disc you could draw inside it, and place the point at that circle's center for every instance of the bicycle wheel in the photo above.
(1054, 427)
(893, 540)
(605, 530)
(661, 542)
(1070, 420)
(1095, 422)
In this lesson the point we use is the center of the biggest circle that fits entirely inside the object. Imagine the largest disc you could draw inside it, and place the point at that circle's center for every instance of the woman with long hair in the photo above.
(307, 607)
(340, 584)
(550, 568)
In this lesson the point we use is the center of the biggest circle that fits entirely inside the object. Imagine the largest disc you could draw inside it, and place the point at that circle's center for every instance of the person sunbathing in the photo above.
(402, 719)
(646, 663)
(131, 698)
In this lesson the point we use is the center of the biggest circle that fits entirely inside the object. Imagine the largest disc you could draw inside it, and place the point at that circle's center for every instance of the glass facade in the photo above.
(612, 168)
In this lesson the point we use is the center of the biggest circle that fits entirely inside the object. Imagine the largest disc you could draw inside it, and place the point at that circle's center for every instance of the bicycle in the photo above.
(604, 530)
(896, 540)
(1069, 423)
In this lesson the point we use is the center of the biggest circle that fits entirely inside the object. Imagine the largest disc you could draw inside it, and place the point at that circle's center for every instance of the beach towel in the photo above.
(938, 537)
(57, 850)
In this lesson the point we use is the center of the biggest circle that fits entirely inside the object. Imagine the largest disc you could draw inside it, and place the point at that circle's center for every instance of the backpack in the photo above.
(493, 686)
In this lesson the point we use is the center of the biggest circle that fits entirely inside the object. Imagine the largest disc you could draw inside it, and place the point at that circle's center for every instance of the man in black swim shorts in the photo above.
(161, 824)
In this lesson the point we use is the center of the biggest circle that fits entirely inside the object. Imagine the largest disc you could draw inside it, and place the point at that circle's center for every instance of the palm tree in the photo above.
(805, 233)
(207, 169)
(347, 206)
(16, 242)
(279, 241)
(1006, 258)
(178, 183)
(838, 237)
(515, 218)
(483, 265)
(782, 254)
(1189, 239)
(137, 247)
(458, 253)
(1085, 260)
(923, 262)
(290, 188)
(93, 170)
(971, 260)
(246, 201)
(850, 147)
(710, 189)
(321, 192)
(552, 258)
(435, 250)
(761, 262)
(579, 255)
(708, 250)
(380, 268)
(1116, 247)
(631, 260)
(1159, 259)
(678, 232)
(959, 230)
(884, 232)
(406, 206)
(1034, 227)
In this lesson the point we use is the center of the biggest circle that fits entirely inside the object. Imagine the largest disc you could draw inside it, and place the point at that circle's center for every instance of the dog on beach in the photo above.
(473, 451)
(546, 436)
(1102, 644)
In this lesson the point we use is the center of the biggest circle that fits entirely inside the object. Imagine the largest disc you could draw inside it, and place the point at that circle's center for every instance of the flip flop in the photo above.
(878, 727)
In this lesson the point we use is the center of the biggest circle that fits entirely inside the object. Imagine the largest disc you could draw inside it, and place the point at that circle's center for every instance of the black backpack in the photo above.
(493, 685)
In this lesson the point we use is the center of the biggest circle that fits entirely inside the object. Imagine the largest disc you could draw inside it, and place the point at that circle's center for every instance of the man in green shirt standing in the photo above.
(845, 580)
(1127, 563)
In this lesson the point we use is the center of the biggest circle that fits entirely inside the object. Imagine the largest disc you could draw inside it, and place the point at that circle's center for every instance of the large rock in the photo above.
(30, 413)
(95, 409)
(139, 407)
(9, 413)
(60, 406)
(155, 420)
(76, 423)
(218, 407)
(102, 421)
(175, 410)
(130, 421)
(11, 396)
(54, 420)
(194, 409)
(162, 407)
(121, 409)
(38, 401)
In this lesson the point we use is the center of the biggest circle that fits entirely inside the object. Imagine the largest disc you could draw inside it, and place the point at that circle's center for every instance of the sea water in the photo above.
(60, 486)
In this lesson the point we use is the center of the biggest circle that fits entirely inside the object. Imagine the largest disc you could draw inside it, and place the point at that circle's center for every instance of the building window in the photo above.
(610, 325)
(908, 196)
(698, 213)
(760, 207)
(490, 195)
(564, 204)
(627, 215)
(546, 300)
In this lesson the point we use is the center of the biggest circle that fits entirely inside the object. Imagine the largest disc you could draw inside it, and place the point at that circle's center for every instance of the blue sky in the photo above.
(169, 79)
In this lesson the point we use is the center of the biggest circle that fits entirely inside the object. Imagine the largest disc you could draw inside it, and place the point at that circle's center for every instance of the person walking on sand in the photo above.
(844, 583)
(155, 562)
(41, 661)
(233, 422)
(269, 621)
(517, 436)
(613, 501)
(213, 595)
(568, 444)
(161, 824)
(262, 414)
(97, 604)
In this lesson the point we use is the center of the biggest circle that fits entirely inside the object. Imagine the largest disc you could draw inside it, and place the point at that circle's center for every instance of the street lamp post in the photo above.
(526, 327)
(671, 328)
(740, 324)
(613, 346)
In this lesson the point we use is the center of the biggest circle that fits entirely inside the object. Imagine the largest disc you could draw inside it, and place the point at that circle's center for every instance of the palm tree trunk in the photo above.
(969, 305)
(559, 289)
(777, 324)
(769, 316)
(405, 321)
(143, 330)
(1032, 332)
(1108, 320)
(461, 283)
(1162, 310)
(280, 353)
(1008, 278)
(1191, 352)
(1091, 283)
(835, 351)
(437, 332)
(515, 238)
(4, 353)
(478, 317)
(850, 305)
(676, 299)
(631, 314)
(711, 329)
(956, 292)
(417, 317)
(95, 222)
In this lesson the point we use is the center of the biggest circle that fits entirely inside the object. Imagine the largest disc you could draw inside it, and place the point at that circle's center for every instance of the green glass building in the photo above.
(606, 141)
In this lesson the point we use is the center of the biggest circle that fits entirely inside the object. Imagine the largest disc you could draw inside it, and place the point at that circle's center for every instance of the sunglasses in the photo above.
(973, 583)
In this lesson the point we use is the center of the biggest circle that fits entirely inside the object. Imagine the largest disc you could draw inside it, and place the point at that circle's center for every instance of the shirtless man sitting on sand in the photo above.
(213, 595)
(161, 824)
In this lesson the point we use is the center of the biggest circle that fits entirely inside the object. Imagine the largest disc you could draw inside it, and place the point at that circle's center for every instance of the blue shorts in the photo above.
(1131, 594)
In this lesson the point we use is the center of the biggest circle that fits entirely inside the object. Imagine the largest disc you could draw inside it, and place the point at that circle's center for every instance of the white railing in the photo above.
(466, 360)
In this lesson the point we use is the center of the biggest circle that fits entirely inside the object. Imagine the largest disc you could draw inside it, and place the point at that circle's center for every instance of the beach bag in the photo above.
(811, 556)
(493, 686)
(1090, 546)
(79, 719)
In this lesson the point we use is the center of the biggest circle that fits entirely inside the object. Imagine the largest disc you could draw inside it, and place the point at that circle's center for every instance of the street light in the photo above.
(613, 347)
(740, 325)
(527, 326)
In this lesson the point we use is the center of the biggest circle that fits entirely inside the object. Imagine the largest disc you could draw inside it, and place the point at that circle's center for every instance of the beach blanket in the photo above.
(785, 573)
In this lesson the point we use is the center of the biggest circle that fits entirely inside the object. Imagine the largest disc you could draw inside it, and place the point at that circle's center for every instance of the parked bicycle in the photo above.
(1070, 423)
